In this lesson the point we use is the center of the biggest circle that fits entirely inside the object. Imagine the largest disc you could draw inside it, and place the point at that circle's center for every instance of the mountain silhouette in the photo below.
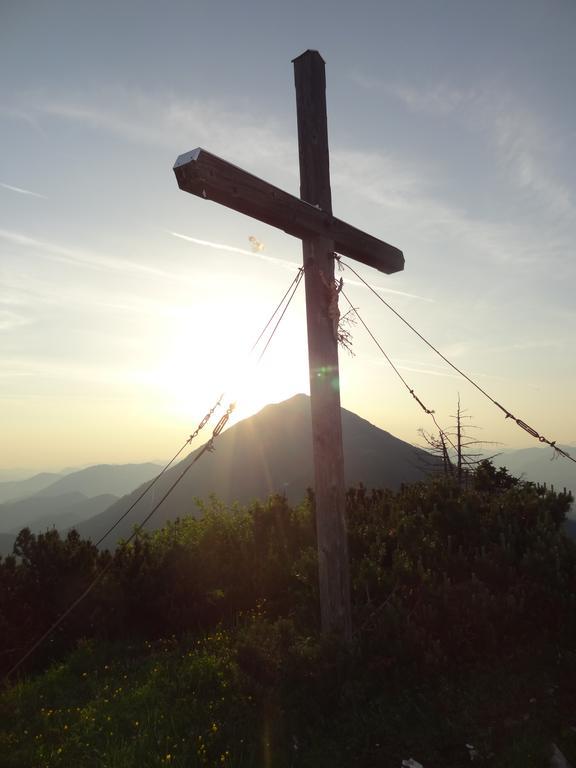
(38, 513)
(270, 452)
(539, 464)
(116, 479)
(51, 500)
(11, 490)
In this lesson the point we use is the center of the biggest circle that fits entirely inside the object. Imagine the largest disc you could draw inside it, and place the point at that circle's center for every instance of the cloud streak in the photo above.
(81, 258)
(390, 183)
(521, 139)
(10, 319)
(382, 289)
(169, 121)
(522, 144)
(22, 191)
(67, 372)
(234, 249)
(393, 183)
(288, 265)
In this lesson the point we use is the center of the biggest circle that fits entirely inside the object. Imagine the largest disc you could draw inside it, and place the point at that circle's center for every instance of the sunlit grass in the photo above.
(166, 703)
(231, 699)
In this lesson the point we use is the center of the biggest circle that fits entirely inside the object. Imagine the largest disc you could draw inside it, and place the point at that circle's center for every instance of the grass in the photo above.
(242, 699)
(167, 703)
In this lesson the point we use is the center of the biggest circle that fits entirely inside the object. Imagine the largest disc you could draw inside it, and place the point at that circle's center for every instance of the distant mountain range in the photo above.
(41, 512)
(541, 464)
(266, 453)
(116, 479)
(269, 452)
(19, 489)
(52, 500)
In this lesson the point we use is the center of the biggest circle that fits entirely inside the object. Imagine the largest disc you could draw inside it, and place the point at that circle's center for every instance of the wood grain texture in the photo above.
(210, 177)
(318, 252)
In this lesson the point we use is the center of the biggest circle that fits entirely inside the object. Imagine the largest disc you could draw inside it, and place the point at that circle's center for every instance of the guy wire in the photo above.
(293, 285)
(507, 413)
(110, 563)
(426, 410)
(208, 446)
(200, 426)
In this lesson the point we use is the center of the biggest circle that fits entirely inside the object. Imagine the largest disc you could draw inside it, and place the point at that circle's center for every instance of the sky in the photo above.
(127, 306)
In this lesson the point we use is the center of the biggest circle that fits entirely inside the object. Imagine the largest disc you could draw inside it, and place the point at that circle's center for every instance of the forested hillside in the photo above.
(200, 646)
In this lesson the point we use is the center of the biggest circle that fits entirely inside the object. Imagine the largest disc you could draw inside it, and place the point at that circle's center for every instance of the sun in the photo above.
(208, 354)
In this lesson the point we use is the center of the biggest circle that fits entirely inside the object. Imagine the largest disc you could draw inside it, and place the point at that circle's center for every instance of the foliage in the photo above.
(463, 603)
(264, 694)
(189, 576)
(164, 703)
(445, 575)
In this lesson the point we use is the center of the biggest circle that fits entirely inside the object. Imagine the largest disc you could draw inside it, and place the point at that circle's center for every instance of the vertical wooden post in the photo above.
(310, 79)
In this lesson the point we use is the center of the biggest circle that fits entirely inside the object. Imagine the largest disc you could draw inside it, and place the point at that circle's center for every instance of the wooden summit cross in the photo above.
(310, 219)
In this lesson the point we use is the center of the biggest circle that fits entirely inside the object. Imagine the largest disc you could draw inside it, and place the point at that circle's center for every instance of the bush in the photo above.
(440, 574)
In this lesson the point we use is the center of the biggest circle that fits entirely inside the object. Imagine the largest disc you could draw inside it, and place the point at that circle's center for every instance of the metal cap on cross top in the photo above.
(310, 219)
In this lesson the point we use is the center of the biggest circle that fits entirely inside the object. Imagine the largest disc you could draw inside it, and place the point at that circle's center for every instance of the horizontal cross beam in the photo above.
(206, 175)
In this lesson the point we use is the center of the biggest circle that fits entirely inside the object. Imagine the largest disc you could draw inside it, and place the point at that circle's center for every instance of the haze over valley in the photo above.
(268, 453)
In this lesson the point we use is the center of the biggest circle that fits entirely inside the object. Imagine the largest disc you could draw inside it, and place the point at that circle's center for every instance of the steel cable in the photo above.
(209, 446)
(522, 424)
(426, 410)
(110, 563)
(200, 426)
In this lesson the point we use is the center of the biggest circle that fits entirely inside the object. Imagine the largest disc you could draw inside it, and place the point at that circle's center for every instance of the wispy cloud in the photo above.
(21, 115)
(28, 294)
(234, 249)
(384, 179)
(290, 265)
(22, 191)
(522, 143)
(418, 366)
(9, 319)
(444, 371)
(521, 138)
(429, 372)
(440, 99)
(64, 371)
(523, 346)
(428, 369)
(166, 120)
(81, 258)
(383, 289)
(411, 197)
(393, 182)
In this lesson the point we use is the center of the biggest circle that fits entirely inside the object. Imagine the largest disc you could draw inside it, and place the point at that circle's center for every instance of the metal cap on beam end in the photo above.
(310, 52)
(187, 157)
